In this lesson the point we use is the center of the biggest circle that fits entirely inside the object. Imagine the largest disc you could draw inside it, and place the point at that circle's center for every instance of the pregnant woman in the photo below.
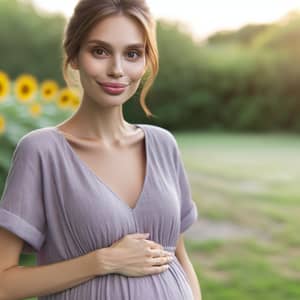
(102, 203)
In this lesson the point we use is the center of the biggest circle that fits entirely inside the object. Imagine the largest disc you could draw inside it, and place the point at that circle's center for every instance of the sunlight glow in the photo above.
(203, 17)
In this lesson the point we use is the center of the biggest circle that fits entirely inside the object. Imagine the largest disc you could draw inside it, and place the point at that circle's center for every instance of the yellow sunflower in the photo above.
(25, 87)
(35, 109)
(4, 86)
(2, 124)
(75, 101)
(65, 98)
(49, 89)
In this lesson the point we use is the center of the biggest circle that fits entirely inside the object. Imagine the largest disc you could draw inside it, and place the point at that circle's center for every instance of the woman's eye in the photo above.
(131, 54)
(98, 51)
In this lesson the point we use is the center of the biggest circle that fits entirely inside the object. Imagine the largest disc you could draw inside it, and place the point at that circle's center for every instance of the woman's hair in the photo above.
(88, 12)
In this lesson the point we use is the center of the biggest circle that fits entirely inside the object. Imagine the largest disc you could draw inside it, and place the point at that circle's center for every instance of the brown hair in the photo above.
(89, 12)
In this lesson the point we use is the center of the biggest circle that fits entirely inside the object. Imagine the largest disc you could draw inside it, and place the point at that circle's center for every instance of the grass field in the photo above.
(251, 181)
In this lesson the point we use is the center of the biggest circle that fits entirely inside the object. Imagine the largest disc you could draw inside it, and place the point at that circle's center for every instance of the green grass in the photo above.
(251, 180)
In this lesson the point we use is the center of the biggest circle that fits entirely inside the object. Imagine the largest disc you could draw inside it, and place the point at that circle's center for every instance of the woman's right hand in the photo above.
(135, 256)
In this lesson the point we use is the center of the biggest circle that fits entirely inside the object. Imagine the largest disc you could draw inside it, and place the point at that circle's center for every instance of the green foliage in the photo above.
(30, 41)
(243, 36)
(282, 36)
(244, 80)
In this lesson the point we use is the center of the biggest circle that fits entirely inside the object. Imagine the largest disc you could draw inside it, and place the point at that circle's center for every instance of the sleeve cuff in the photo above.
(189, 218)
(22, 229)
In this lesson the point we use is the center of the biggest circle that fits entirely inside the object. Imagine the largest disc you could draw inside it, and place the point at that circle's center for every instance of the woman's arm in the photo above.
(184, 260)
(18, 282)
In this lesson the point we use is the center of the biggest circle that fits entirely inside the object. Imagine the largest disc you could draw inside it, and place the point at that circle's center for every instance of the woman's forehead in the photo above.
(117, 29)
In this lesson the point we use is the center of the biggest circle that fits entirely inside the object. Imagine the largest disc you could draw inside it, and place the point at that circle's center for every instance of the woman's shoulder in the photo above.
(36, 141)
(162, 134)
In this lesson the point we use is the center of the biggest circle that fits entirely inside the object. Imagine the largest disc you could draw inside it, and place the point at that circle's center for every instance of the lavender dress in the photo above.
(61, 209)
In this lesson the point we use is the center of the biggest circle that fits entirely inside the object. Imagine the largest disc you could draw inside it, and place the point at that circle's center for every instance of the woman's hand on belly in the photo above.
(133, 256)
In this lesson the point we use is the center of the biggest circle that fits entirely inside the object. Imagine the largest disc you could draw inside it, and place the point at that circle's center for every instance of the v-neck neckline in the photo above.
(86, 167)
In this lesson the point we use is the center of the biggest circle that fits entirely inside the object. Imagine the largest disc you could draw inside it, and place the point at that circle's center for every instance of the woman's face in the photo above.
(112, 52)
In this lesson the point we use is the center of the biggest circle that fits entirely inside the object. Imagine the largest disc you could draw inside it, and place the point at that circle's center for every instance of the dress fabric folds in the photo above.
(62, 210)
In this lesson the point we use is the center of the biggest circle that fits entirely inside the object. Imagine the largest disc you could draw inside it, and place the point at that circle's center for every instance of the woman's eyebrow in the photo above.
(95, 41)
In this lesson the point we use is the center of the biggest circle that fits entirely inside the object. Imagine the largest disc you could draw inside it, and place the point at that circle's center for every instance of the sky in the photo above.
(202, 18)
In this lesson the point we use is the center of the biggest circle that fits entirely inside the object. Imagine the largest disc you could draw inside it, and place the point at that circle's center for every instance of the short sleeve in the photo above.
(22, 205)
(188, 211)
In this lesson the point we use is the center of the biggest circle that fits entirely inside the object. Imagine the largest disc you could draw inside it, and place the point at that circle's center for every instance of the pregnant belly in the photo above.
(171, 284)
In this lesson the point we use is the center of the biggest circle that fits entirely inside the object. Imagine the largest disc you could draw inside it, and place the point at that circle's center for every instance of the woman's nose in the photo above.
(116, 68)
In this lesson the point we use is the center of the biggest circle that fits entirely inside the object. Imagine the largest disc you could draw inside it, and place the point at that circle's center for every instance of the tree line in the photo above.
(241, 80)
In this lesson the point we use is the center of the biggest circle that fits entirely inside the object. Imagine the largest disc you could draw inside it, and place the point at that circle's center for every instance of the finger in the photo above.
(160, 253)
(154, 245)
(162, 260)
(157, 269)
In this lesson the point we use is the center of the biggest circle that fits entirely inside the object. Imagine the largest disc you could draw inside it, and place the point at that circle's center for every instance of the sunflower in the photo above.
(49, 89)
(35, 109)
(2, 124)
(4, 86)
(25, 87)
(65, 98)
(75, 101)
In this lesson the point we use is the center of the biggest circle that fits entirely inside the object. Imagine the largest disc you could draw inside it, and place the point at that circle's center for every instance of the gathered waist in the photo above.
(170, 248)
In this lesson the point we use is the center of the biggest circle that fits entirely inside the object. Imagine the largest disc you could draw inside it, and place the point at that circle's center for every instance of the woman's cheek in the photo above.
(136, 71)
(94, 67)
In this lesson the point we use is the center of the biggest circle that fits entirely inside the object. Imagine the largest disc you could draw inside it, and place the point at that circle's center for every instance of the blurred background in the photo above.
(228, 88)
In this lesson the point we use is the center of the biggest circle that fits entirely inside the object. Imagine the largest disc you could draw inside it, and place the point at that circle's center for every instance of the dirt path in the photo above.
(205, 229)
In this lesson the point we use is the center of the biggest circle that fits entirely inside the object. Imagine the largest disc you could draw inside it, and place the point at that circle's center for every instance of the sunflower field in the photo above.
(26, 104)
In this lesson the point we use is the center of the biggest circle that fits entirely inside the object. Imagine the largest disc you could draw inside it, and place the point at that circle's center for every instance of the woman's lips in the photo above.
(113, 88)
